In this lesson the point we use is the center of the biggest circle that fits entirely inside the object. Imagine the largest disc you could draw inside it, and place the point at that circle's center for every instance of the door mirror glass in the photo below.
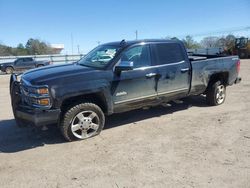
(124, 66)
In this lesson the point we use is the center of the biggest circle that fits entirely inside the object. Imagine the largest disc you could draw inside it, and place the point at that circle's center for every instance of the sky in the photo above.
(85, 23)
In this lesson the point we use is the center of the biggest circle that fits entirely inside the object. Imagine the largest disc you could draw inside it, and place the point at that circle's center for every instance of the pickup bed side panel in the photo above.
(204, 69)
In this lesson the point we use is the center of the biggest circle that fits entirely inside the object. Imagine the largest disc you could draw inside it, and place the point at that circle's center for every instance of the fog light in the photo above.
(40, 102)
(43, 102)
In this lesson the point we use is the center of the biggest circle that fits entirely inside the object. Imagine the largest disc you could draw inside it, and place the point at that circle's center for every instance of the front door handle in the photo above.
(151, 75)
(184, 70)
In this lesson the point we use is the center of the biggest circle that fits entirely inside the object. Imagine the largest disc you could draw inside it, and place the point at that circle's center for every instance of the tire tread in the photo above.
(68, 117)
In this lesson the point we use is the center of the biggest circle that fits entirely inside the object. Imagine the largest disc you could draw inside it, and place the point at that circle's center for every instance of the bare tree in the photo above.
(210, 42)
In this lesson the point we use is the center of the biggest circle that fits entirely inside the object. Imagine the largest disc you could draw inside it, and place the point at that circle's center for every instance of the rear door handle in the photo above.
(151, 75)
(184, 70)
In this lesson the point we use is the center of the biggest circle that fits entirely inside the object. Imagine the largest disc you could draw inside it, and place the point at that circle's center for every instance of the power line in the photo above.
(221, 31)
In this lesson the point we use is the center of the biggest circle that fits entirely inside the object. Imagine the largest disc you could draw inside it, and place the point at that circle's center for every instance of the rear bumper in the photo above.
(238, 80)
(38, 117)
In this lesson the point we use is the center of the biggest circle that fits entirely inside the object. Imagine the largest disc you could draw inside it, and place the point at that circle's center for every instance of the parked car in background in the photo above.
(102, 58)
(22, 64)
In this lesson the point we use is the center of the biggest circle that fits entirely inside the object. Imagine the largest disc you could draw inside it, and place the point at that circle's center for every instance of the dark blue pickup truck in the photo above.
(117, 77)
(21, 64)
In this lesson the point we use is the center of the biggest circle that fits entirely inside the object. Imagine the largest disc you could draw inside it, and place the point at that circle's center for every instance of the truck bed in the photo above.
(204, 67)
(196, 57)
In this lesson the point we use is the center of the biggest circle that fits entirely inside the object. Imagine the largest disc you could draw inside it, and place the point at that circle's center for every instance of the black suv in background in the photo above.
(117, 77)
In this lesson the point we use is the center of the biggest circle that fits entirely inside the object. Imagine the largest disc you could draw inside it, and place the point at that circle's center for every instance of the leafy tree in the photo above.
(21, 50)
(32, 47)
(5, 50)
(230, 43)
(190, 43)
(36, 47)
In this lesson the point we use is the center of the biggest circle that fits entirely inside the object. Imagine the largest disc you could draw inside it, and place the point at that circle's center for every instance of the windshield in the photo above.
(100, 56)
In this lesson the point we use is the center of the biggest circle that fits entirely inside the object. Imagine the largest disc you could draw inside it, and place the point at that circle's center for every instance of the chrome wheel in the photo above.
(85, 124)
(220, 94)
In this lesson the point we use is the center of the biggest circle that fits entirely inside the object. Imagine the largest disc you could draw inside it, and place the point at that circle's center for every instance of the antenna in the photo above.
(123, 42)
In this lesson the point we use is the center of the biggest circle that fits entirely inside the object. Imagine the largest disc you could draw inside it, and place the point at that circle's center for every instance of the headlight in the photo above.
(39, 90)
(43, 91)
(37, 96)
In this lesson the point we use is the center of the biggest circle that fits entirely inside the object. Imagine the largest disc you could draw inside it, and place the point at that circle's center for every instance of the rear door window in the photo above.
(29, 59)
(166, 53)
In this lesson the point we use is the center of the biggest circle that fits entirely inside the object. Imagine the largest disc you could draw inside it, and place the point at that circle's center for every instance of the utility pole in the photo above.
(136, 35)
(72, 44)
(78, 48)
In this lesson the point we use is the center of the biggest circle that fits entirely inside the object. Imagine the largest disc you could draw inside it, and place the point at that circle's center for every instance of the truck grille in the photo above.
(25, 94)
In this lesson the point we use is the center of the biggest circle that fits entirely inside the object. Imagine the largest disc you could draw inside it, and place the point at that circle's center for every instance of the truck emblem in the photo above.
(121, 93)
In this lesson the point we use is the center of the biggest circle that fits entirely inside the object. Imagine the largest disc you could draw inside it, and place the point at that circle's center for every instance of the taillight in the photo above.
(238, 66)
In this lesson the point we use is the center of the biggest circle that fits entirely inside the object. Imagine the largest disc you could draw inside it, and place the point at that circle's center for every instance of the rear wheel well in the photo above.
(96, 98)
(223, 77)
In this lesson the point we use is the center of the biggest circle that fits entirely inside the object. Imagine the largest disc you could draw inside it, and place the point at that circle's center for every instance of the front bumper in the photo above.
(37, 117)
(33, 116)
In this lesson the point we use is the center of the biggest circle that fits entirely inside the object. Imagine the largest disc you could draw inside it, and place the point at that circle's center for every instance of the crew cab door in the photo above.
(28, 63)
(19, 64)
(137, 86)
(173, 69)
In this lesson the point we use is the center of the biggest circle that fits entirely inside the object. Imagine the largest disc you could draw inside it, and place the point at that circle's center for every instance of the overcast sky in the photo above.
(91, 21)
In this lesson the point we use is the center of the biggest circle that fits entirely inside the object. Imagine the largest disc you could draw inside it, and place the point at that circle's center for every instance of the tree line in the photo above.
(37, 47)
(225, 42)
(32, 47)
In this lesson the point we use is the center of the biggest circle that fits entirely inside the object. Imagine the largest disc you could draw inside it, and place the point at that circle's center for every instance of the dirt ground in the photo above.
(186, 145)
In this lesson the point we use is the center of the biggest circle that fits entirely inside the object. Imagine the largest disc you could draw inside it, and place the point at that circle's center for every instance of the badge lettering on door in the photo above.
(121, 93)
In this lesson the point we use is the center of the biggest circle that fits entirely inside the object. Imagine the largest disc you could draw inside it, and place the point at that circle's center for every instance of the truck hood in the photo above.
(57, 73)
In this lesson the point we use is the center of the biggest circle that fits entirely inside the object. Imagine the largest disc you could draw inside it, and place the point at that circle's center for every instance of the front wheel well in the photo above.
(9, 66)
(96, 98)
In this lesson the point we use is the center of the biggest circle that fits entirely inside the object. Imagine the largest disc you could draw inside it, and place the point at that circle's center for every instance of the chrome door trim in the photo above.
(148, 96)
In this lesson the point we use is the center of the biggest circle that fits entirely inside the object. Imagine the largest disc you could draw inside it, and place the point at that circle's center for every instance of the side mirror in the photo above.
(124, 66)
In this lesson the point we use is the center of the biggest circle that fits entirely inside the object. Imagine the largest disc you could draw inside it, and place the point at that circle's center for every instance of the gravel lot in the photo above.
(186, 145)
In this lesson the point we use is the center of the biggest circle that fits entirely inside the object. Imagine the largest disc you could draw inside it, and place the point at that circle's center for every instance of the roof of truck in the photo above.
(131, 42)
